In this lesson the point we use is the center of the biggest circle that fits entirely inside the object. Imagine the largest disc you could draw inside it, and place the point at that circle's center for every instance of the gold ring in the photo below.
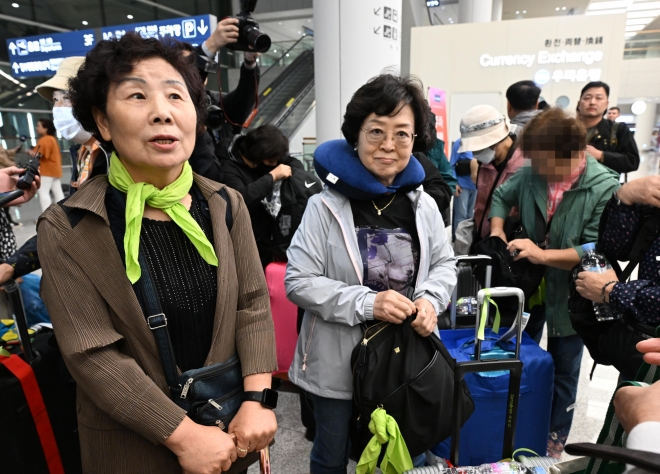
(243, 450)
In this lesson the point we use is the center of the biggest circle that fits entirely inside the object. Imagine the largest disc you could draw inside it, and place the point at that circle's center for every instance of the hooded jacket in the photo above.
(324, 276)
(574, 223)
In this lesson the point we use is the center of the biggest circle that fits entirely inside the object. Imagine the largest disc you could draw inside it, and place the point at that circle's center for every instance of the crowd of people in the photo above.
(167, 209)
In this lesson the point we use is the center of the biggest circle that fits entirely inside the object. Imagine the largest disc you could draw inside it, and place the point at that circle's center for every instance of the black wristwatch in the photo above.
(267, 398)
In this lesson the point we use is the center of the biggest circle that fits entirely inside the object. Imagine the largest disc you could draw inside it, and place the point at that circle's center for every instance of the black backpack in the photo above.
(412, 378)
(613, 342)
(294, 194)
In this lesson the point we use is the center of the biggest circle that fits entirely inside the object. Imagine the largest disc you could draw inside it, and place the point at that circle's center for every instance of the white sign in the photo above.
(544, 57)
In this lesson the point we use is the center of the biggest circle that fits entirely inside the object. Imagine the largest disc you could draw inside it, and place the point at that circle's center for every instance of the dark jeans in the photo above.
(331, 445)
(566, 354)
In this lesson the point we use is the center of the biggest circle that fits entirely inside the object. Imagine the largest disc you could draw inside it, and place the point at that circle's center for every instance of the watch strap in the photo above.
(253, 397)
(262, 397)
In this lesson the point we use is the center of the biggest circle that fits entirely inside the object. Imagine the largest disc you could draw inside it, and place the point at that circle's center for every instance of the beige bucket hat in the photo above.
(60, 81)
(481, 127)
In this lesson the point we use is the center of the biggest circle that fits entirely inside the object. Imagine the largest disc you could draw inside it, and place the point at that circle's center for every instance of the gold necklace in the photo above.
(386, 206)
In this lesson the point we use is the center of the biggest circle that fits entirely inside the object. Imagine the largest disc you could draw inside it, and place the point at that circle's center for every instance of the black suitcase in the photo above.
(466, 286)
(21, 448)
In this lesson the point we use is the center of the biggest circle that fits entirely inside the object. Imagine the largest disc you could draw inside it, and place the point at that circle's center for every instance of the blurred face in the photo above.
(150, 119)
(554, 169)
(593, 103)
(41, 130)
(613, 114)
(385, 143)
(61, 99)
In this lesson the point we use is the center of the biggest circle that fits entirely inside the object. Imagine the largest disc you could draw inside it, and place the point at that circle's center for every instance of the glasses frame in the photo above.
(385, 135)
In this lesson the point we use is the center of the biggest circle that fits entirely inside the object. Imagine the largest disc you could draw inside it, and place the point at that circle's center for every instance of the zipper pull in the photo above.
(186, 387)
(304, 367)
(212, 402)
(220, 424)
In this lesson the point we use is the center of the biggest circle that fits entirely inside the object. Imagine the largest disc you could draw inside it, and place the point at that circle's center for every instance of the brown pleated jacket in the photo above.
(124, 408)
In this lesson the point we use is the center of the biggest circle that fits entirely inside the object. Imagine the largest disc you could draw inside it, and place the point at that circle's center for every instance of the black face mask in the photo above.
(263, 169)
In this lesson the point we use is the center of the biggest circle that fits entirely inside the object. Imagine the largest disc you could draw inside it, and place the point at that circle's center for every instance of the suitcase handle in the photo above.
(499, 291)
(18, 312)
(477, 258)
(472, 260)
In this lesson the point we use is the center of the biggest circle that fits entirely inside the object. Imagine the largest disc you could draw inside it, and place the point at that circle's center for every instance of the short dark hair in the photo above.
(554, 130)
(615, 108)
(264, 143)
(595, 85)
(48, 125)
(110, 60)
(384, 95)
(523, 95)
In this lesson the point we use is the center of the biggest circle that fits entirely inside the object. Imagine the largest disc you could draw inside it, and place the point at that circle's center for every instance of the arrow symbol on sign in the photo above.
(376, 30)
(201, 28)
(15, 68)
(376, 11)
(12, 48)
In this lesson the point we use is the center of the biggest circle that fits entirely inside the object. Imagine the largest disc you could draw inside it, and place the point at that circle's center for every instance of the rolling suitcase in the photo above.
(285, 316)
(510, 381)
(37, 403)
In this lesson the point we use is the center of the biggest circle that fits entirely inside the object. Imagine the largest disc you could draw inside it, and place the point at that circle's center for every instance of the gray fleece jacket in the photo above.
(324, 276)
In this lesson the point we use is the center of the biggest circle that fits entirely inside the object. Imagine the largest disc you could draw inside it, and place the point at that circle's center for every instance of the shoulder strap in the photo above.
(229, 217)
(489, 199)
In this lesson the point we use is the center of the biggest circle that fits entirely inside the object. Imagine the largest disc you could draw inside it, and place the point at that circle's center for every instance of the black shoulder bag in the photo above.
(412, 378)
(210, 395)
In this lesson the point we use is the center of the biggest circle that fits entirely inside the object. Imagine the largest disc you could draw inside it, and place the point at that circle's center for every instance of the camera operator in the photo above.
(228, 112)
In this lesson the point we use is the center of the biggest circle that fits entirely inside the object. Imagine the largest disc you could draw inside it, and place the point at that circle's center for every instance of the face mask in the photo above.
(68, 126)
(484, 156)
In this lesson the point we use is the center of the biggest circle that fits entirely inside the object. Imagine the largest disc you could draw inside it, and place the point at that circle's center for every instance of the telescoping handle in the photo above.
(499, 292)
(18, 311)
(472, 260)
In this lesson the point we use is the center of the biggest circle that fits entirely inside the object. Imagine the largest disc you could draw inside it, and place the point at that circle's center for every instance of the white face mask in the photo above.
(68, 126)
(484, 156)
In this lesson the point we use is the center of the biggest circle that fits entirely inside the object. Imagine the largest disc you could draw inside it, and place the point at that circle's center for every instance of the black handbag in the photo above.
(210, 395)
(412, 378)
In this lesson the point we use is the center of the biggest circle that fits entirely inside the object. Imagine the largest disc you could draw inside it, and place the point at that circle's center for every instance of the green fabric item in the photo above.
(574, 223)
(484, 316)
(439, 159)
(538, 298)
(397, 458)
(166, 199)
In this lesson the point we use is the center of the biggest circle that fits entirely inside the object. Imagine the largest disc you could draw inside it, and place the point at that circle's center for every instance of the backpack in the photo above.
(613, 342)
(294, 194)
(412, 378)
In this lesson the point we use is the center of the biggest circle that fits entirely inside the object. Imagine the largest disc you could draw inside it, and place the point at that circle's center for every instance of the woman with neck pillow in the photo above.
(371, 247)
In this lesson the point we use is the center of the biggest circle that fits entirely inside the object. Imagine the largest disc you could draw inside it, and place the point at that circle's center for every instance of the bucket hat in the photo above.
(60, 81)
(481, 127)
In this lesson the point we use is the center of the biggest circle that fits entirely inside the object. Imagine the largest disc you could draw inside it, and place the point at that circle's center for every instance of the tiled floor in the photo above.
(290, 455)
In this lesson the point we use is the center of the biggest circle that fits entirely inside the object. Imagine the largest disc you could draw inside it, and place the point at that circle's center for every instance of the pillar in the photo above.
(353, 42)
(497, 10)
(475, 11)
(644, 124)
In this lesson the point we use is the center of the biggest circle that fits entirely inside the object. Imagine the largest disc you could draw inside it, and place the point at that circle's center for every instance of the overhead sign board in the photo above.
(41, 55)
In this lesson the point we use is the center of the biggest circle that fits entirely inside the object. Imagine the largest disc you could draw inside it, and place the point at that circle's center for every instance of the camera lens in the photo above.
(214, 117)
(259, 41)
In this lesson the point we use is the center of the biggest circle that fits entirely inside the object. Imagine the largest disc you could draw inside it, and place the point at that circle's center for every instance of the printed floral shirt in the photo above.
(640, 298)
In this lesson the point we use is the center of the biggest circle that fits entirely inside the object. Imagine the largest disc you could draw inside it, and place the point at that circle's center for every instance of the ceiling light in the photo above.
(518, 13)
(644, 14)
(279, 22)
(274, 51)
(644, 6)
(130, 17)
(638, 107)
(85, 22)
(610, 5)
(639, 21)
(450, 19)
(557, 9)
(524, 11)
(630, 34)
(606, 12)
(287, 55)
(299, 32)
(634, 28)
(15, 5)
(563, 8)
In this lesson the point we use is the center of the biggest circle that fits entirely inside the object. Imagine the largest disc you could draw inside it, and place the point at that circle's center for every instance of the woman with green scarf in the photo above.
(144, 101)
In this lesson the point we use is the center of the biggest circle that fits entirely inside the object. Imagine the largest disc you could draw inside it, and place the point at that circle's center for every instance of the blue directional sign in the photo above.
(193, 29)
(41, 55)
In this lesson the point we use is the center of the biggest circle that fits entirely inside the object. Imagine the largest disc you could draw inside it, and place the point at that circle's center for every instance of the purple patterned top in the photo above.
(640, 298)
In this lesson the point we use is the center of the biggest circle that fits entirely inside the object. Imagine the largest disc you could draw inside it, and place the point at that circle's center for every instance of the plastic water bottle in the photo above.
(592, 261)
(512, 467)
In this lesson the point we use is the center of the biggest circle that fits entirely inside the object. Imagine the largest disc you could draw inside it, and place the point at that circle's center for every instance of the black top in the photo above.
(622, 156)
(434, 184)
(186, 286)
(389, 243)
(255, 184)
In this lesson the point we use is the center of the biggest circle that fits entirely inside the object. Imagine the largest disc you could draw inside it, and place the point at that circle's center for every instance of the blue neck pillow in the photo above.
(338, 166)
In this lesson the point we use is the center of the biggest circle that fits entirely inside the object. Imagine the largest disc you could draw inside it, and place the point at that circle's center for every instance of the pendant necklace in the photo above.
(386, 206)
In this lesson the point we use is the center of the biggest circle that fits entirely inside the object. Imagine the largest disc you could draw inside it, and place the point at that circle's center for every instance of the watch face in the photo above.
(270, 398)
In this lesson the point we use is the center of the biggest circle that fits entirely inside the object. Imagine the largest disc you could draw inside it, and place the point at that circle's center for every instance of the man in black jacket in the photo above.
(609, 142)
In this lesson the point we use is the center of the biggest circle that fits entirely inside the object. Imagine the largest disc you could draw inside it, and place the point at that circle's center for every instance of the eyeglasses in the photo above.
(402, 138)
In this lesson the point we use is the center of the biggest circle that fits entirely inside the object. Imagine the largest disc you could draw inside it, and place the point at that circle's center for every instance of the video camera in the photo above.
(250, 38)
(31, 170)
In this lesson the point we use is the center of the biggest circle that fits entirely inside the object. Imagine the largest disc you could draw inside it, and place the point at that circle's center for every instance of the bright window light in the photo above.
(644, 14)
(644, 6)
(639, 21)
(634, 28)
(2, 124)
(606, 12)
(610, 5)
(630, 34)
(31, 127)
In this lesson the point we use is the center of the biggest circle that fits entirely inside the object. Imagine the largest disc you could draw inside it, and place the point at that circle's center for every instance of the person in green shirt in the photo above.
(571, 189)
